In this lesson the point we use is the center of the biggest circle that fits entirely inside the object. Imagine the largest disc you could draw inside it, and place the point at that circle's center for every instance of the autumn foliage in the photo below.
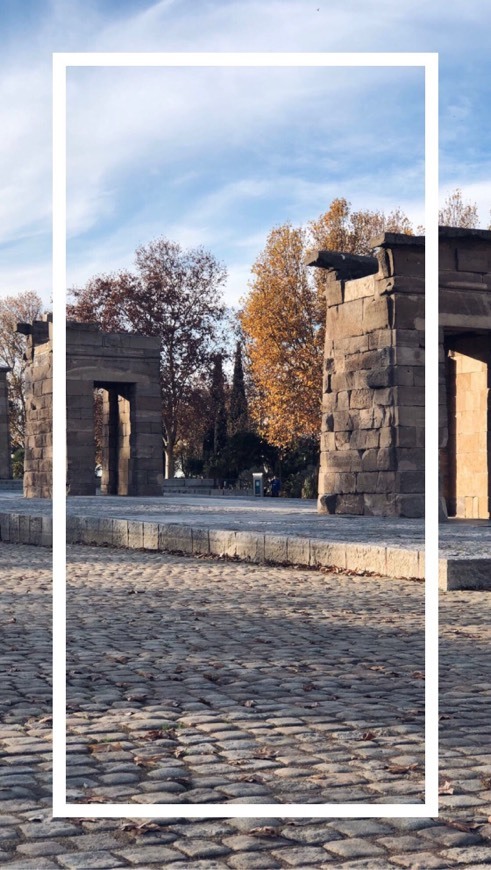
(22, 308)
(457, 213)
(283, 317)
(174, 294)
(341, 229)
(282, 323)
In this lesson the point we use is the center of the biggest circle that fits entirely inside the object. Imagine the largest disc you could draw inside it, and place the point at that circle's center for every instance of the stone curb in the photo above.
(247, 546)
(397, 563)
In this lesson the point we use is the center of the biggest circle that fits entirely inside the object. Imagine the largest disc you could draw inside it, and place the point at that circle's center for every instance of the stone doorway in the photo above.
(118, 423)
(468, 452)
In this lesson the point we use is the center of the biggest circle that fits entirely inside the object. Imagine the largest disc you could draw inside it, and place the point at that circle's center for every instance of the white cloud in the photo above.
(25, 153)
(293, 25)
(459, 31)
(19, 275)
(127, 122)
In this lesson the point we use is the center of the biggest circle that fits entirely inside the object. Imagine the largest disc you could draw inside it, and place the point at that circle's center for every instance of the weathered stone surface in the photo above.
(201, 541)
(374, 375)
(126, 368)
(326, 554)
(276, 548)
(5, 466)
(176, 538)
(222, 543)
(249, 546)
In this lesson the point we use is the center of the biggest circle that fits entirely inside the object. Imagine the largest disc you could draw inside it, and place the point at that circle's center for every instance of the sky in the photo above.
(217, 157)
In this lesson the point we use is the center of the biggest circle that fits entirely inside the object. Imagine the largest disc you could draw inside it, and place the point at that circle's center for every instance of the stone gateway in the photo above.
(126, 369)
(372, 432)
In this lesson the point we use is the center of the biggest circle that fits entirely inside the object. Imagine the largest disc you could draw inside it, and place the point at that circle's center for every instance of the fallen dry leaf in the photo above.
(147, 761)
(460, 825)
(158, 734)
(105, 747)
(141, 828)
(402, 768)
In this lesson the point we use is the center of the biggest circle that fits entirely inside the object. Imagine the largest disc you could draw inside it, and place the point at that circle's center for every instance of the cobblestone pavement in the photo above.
(207, 681)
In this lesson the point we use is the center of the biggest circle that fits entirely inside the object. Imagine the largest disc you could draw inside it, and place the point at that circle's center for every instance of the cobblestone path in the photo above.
(192, 680)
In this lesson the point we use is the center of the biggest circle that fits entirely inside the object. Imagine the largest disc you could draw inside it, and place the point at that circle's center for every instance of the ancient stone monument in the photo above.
(465, 371)
(372, 436)
(372, 441)
(125, 368)
(5, 464)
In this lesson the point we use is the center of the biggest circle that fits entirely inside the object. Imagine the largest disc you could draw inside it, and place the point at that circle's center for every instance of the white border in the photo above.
(61, 61)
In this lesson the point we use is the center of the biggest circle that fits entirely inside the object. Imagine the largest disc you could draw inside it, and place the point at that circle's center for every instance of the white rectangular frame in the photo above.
(61, 62)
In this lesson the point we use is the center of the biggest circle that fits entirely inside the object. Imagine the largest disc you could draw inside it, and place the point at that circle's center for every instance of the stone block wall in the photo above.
(38, 461)
(465, 371)
(372, 442)
(372, 433)
(127, 368)
(5, 463)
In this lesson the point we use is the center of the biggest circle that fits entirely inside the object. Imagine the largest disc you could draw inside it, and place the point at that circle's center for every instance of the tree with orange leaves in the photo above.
(282, 320)
(341, 229)
(283, 317)
(455, 212)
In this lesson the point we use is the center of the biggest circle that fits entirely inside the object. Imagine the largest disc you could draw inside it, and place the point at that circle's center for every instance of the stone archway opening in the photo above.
(467, 464)
(117, 437)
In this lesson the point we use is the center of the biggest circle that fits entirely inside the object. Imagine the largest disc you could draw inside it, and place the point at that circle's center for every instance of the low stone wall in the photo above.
(249, 546)
(356, 558)
(17, 528)
(183, 485)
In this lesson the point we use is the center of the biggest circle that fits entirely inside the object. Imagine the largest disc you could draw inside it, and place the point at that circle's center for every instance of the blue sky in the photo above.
(218, 157)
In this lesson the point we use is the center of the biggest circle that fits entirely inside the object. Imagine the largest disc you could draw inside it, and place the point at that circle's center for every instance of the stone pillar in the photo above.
(469, 456)
(38, 459)
(372, 434)
(117, 449)
(5, 463)
(109, 479)
(443, 427)
(126, 443)
(80, 438)
(146, 438)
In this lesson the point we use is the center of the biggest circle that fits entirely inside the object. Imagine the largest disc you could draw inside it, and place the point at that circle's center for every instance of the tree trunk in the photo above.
(169, 460)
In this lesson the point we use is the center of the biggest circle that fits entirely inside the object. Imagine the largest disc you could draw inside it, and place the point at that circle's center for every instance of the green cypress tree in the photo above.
(216, 437)
(239, 411)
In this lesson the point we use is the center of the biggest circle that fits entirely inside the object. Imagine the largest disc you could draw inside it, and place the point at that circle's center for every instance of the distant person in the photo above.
(275, 487)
